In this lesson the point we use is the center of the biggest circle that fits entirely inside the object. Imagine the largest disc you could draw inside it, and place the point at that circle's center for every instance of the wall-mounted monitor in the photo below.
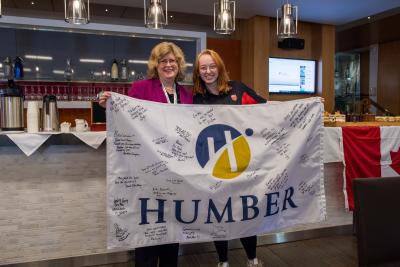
(292, 76)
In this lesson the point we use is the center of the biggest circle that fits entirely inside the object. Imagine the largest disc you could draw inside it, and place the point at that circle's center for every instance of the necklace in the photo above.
(166, 93)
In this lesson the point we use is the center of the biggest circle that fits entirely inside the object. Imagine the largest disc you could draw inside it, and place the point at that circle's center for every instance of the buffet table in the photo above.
(367, 151)
(30, 142)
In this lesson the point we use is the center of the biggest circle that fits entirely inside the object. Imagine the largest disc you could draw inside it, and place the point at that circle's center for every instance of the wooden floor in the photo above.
(336, 251)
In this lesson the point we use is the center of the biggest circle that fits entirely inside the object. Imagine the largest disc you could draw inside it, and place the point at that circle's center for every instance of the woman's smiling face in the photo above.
(167, 67)
(208, 69)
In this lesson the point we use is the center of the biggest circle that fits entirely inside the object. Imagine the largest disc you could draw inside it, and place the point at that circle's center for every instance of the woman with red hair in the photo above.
(212, 86)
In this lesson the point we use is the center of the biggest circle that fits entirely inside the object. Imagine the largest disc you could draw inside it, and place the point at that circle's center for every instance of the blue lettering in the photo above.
(144, 210)
(288, 199)
(217, 215)
(246, 207)
(178, 211)
(250, 209)
(271, 202)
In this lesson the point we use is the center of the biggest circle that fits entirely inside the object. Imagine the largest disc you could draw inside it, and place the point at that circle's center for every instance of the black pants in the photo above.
(249, 245)
(149, 256)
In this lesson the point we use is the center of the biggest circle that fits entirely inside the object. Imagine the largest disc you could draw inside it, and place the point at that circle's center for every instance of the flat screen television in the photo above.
(292, 76)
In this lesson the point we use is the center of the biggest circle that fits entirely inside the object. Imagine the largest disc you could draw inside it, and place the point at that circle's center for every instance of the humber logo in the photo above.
(223, 149)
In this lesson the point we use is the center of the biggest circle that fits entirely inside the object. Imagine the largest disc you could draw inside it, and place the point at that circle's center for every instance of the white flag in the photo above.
(195, 173)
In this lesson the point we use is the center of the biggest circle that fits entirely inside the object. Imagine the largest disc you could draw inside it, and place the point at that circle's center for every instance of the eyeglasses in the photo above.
(166, 61)
(210, 67)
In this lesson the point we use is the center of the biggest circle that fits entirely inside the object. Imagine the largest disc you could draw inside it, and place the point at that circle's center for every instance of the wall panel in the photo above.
(254, 35)
(229, 50)
(364, 73)
(327, 67)
(389, 76)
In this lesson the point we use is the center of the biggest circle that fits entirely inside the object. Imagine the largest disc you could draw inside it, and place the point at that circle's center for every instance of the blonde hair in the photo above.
(160, 51)
(222, 81)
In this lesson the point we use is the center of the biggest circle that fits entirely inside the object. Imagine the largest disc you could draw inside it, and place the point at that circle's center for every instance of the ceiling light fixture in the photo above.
(91, 60)
(77, 11)
(154, 15)
(60, 72)
(224, 17)
(32, 3)
(37, 57)
(138, 61)
(286, 21)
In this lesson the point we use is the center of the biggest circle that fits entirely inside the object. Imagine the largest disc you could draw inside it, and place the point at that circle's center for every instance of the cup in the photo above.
(32, 117)
(65, 127)
(81, 125)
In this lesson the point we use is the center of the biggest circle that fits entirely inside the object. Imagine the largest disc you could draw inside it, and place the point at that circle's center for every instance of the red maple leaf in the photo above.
(395, 156)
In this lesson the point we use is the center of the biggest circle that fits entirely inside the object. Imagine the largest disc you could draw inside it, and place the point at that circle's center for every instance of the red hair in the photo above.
(199, 86)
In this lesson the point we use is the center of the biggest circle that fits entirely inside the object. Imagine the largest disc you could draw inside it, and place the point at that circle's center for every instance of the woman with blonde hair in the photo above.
(165, 68)
(212, 86)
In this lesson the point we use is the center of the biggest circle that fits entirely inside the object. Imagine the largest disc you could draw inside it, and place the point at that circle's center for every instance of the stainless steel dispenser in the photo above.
(50, 121)
(11, 109)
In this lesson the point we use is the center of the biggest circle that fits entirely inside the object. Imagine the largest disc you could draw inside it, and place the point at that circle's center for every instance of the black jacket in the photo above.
(239, 94)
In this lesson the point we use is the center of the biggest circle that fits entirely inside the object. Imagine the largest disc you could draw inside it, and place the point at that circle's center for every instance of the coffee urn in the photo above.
(11, 108)
(50, 121)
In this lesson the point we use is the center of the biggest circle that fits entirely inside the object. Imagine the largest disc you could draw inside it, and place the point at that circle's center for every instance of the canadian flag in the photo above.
(369, 152)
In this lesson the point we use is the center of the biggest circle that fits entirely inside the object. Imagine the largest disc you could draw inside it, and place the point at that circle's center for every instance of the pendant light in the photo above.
(286, 21)
(224, 17)
(154, 15)
(77, 11)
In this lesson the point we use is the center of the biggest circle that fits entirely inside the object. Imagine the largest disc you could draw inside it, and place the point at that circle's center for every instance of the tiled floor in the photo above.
(335, 251)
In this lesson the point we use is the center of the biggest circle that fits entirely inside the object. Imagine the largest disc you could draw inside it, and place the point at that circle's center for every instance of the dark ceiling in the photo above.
(99, 10)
